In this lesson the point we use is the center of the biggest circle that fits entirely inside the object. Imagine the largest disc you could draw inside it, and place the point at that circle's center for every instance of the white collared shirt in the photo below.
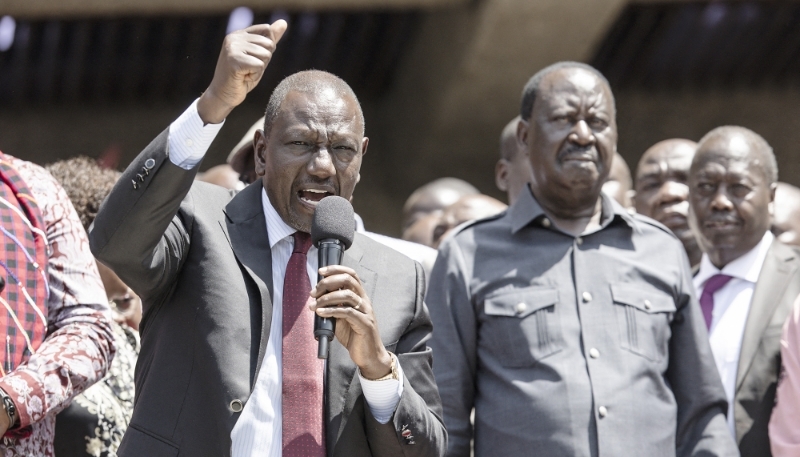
(731, 307)
(259, 428)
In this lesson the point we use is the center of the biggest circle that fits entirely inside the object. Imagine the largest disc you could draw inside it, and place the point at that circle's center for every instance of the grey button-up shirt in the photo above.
(565, 346)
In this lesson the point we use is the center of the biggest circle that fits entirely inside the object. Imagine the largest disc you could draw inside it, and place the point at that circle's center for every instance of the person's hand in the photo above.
(340, 295)
(4, 422)
(244, 56)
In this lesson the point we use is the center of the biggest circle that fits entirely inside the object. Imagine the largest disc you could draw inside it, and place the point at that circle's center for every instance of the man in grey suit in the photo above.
(225, 281)
(747, 279)
(567, 323)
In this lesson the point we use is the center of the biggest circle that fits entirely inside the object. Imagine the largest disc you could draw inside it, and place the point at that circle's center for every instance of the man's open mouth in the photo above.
(312, 196)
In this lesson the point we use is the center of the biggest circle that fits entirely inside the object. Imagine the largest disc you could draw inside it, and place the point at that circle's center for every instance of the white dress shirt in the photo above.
(731, 307)
(259, 428)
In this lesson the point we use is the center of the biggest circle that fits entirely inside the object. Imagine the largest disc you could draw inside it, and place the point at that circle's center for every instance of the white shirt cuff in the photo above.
(189, 139)
(383, 396)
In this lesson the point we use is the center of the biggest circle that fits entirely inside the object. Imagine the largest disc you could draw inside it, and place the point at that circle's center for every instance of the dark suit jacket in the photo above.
(200, 259)
(760, 357)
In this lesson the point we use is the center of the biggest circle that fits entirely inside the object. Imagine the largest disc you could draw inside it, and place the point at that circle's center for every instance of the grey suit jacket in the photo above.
(760, 357)
(200, 259)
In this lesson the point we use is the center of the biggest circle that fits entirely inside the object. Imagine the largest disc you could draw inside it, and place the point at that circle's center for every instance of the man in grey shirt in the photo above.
(570, 325)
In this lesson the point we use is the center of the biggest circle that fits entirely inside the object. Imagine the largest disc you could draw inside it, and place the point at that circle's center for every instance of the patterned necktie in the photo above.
(713, 284)
(303, 421)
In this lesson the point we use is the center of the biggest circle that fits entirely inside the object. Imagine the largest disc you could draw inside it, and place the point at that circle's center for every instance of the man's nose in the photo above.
(672, 192)
(582, 134)
(721, 202)
(321, 164)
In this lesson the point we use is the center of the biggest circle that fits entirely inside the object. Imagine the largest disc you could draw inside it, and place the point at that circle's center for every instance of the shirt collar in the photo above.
(526, 210)
(277, 229)
(746, 267)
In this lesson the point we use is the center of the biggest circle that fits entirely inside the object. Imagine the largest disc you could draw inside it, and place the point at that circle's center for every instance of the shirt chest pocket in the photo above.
(521, 326)
(644, 317)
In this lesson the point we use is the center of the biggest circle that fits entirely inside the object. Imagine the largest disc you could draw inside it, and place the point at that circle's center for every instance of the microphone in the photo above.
(332, 232)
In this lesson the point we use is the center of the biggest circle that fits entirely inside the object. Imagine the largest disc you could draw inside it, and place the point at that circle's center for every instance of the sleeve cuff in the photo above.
(383, 396)
(189, 139)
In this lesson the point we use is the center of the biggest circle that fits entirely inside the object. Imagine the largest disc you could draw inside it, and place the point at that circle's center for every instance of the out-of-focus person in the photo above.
(94, 423)
(468, 208)
(222, 175)
(747, 280)
(786, 214)
(434, 197)
(619, 182)
(513, 169)
(421, 232)
(55, 324)
(569, 324)
(784, 432)
(662, 190)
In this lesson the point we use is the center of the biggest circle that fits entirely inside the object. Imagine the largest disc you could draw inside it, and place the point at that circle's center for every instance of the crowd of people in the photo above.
(598, 312)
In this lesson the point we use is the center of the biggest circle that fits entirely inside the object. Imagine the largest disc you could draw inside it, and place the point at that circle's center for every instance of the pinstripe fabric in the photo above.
(189, 139)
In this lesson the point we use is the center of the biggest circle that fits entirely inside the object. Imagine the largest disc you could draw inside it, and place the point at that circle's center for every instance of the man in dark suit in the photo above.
(228, 362)
(747, 280)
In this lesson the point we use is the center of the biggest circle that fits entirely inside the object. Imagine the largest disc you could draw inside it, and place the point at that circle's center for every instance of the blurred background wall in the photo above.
(438, 79)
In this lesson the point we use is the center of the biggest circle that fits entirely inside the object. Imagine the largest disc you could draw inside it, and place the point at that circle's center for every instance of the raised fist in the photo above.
(244, 56)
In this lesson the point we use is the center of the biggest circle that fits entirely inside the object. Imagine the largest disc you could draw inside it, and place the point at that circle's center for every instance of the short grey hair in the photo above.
(307, 82)
(531, 89)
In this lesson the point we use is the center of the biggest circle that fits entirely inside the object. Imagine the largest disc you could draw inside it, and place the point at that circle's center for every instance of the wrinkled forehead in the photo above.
(321, 107)
(667, 159)
(576, 84)
(730, 151)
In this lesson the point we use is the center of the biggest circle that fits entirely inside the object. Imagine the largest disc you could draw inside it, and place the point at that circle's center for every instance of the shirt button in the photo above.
(521, 307)
(546, 223)
(189, 142)
(587, 297)
(647, 304)
(579, 241)
(594, 353)
(602, 411)
(236, 406)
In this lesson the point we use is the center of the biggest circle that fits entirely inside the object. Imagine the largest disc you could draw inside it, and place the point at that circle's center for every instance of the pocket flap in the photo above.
(520, 302)
(647, 300)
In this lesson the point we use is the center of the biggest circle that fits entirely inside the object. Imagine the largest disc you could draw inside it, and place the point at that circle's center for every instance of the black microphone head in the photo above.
(333, 219)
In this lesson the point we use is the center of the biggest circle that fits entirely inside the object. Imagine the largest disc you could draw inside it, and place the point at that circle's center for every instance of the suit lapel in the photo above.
(342, 391)
(247, 229)
(772, 282)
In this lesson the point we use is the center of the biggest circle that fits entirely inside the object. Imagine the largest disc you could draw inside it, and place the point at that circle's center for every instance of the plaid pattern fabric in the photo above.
(23, 315)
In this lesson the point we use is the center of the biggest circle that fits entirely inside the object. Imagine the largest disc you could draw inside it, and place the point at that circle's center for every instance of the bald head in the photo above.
(222, 175)
(308, 82)
(434, 197)
(467, 208)
(532, 88)
(739, 143)
(786, 214)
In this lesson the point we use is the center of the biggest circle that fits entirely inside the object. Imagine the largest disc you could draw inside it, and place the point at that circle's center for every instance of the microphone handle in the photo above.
(329, 252)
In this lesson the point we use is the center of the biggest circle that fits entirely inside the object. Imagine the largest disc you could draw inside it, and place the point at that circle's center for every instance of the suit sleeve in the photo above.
(138, 231)
(416, 428)
(702, 405)
(454, 344)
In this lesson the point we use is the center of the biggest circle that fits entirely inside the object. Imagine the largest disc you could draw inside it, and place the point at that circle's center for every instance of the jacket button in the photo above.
(236, 406)
(149, 163)
(135, 184)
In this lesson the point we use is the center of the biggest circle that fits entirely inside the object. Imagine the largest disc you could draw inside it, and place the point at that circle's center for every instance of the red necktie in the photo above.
(713, 284)
(303, 421)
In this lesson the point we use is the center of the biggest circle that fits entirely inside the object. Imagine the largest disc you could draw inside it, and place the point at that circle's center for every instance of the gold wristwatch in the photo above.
(394, 374)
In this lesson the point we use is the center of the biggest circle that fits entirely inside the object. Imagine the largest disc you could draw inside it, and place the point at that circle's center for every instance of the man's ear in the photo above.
(522, 133)
(501, 175)
(260, 152)
(364, 144)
